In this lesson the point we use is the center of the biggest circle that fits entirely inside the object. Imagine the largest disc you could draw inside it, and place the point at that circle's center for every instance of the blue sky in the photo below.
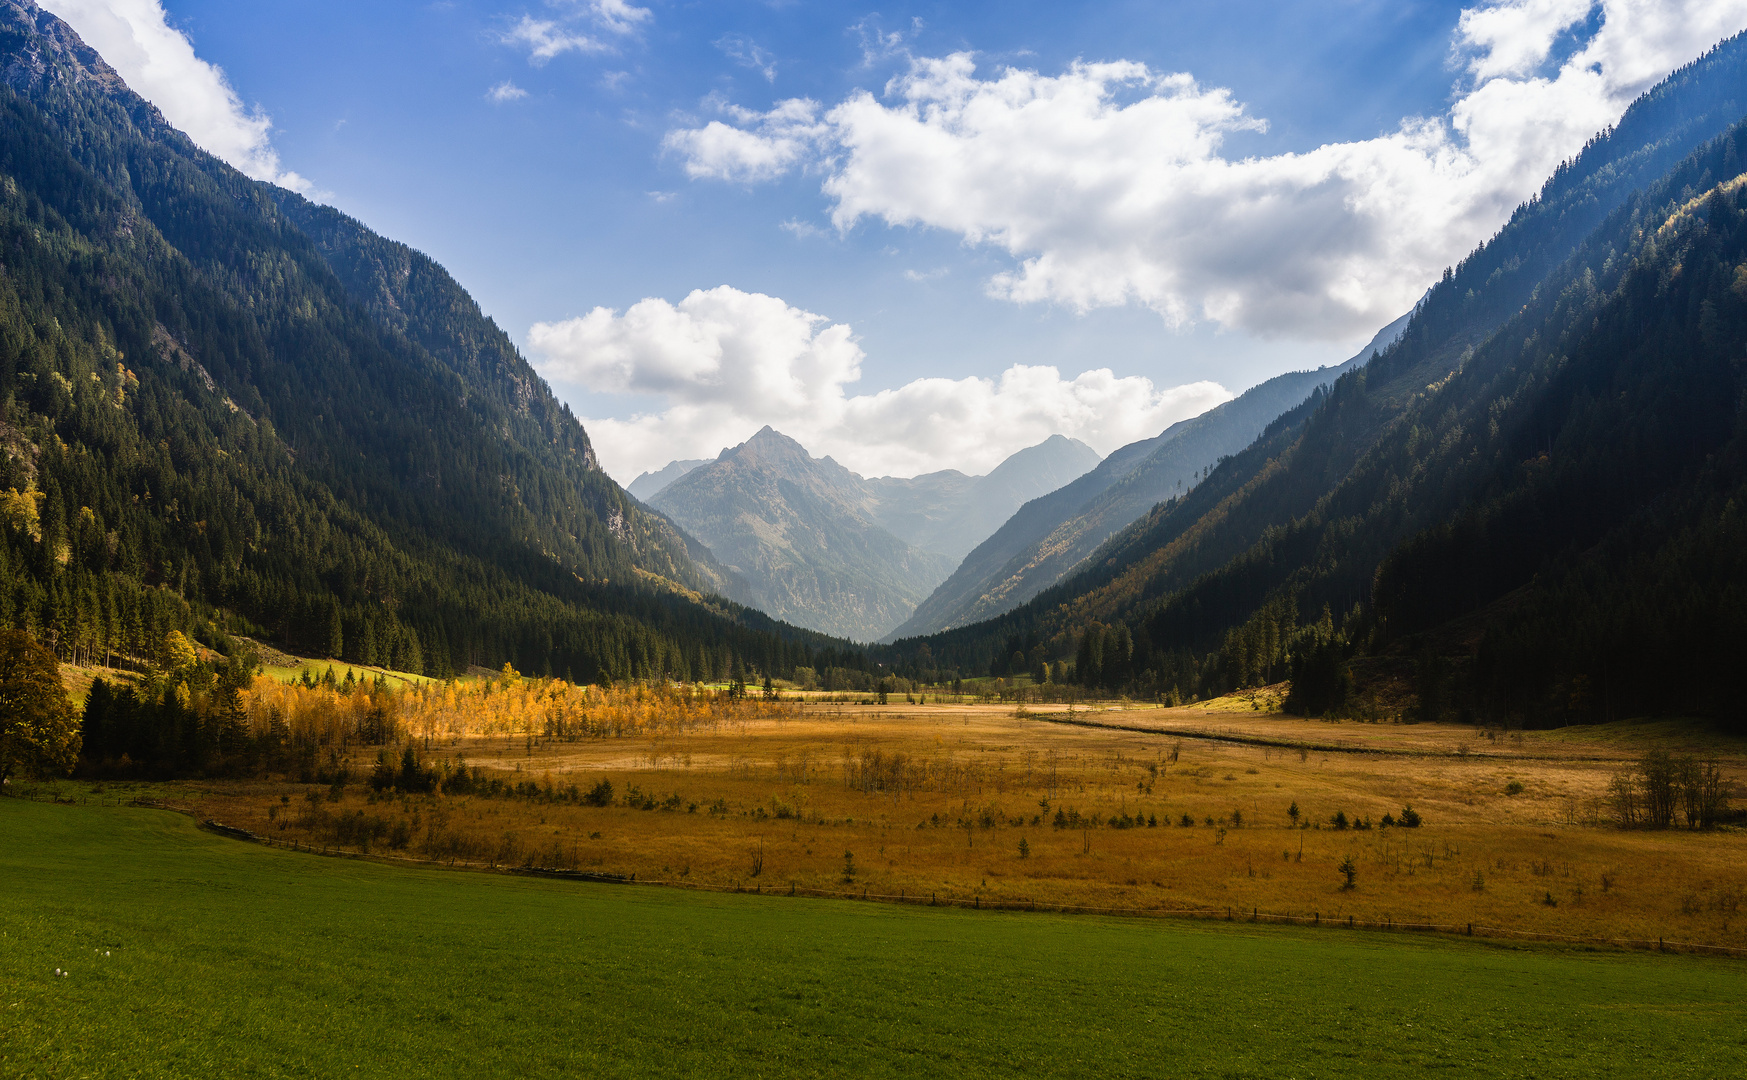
(946, 207)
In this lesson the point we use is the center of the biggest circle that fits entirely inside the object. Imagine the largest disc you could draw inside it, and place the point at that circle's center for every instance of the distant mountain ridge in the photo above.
(1051, 535)
(822, 547)
(951, 513)
(800, 531)
(649, 484)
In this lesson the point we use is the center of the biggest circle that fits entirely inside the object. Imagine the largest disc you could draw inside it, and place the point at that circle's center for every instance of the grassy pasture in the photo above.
(318, 668)
(231, 959)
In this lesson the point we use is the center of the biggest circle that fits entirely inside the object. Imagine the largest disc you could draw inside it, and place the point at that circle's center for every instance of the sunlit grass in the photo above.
(316, 669)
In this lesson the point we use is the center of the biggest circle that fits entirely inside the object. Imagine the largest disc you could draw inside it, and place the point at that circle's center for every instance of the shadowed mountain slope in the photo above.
(1538, 484)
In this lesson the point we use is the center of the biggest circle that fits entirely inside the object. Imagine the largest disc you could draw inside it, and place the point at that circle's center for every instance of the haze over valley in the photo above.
(824, 548)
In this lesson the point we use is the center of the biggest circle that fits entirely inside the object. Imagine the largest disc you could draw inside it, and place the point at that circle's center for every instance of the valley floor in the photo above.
(191, 955)
(1132, 809)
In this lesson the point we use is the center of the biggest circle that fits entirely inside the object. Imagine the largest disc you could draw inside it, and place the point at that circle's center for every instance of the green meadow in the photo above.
(317, 668)
(192, 955)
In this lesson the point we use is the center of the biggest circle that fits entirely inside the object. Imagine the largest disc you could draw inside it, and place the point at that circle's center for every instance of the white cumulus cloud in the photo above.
(726, 362)
(505, 91)
(1108, 183)
(755, 146)
(159, 64)
(1515, 39)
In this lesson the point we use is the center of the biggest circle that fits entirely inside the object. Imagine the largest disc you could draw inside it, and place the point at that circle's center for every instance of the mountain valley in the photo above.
(354, 720)
(824, 548)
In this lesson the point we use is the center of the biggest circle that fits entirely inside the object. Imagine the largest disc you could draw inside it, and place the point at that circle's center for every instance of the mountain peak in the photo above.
(38, 33)
(771, 447)
(1058, 457)
(798, 528)
(769, 437)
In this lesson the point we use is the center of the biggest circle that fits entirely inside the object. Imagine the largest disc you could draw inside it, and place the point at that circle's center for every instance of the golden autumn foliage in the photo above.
(39, 732)
(504, 706)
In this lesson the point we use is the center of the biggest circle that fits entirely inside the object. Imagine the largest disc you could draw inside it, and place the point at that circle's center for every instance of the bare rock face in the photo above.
(42, 49)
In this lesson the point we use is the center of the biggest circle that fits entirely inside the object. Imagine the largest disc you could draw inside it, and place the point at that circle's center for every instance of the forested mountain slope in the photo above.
(552, 470)
(223, 402)
(1046, 538)
(1547, 466)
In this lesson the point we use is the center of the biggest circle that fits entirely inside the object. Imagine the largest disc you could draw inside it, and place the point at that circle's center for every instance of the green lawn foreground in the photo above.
(227, 959)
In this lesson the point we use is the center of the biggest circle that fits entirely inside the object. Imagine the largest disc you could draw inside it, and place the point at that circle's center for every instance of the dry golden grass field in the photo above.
(1108, 806)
